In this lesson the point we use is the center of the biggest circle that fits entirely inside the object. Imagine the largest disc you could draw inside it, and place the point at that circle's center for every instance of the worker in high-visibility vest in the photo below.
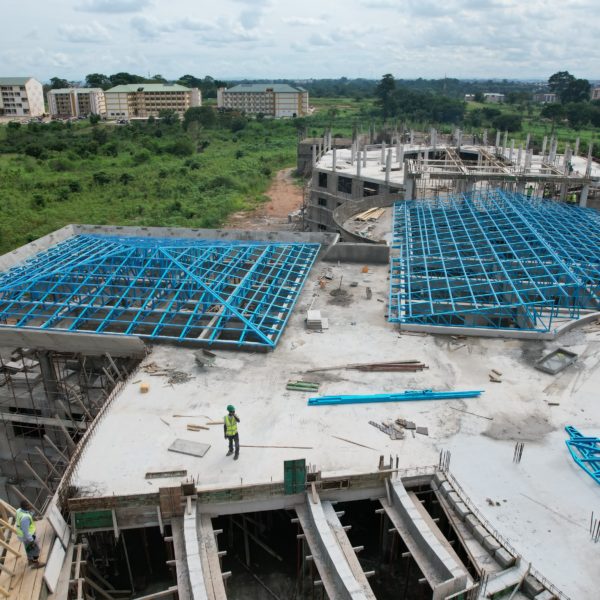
(25, 526)
(231, 431)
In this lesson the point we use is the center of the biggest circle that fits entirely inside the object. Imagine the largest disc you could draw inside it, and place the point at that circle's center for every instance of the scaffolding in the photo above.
(203, 292)
(496, 259)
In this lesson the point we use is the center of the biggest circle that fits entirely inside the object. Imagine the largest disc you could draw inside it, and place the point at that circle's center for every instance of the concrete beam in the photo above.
(444, 574)
(192, 556)
(341, 577)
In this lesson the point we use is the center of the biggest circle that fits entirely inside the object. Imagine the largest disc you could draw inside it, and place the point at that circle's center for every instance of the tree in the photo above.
(479, 97)
(559, 82)
(385, 95)
(577, 91)
(507, 122)
(203, 115)
(554, 112)
(57, 83)
(578, 114)
(125, 78)
(168, 116)
(97, 80)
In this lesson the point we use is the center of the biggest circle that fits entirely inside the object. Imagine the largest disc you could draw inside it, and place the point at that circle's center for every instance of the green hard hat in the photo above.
(231, 408)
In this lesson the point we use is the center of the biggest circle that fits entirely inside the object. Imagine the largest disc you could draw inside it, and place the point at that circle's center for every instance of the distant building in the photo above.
(595, 93)
(21, 97)
(270, 99)
(76, 102)
(545, 98)
(469, 97)
(143, 100)
(494, 98)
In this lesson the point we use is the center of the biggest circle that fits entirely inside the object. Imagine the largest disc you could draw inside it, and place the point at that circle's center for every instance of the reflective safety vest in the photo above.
(230, 426)
(19, 517)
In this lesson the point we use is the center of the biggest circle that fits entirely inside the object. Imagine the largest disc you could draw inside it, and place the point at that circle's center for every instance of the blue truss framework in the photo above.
(496, 259)
(585, 451)
(201, 292)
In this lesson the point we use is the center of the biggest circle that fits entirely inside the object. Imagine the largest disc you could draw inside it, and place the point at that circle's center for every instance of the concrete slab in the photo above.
(189, 447)
(277, 422)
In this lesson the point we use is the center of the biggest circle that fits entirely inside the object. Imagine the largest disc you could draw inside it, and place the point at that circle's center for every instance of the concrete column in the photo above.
(352, 153)
(334, 164)
(584, 195)
(433, 135)
(358, 161)
(383, 153)
(520, 155)
(566, 154)
(409, 185)
(398, 149)
(484, 137)
(528, 158)
(412, 137)
(588, 167)
(512, 150)
(314, 155)
(388, 166)
(505, 142)
(576, 151)
(544, 143)
(458, 139)
(364, 154)
(527, 141)
(497, 139)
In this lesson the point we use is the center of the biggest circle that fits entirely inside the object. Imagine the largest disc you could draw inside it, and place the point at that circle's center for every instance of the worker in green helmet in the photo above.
(25, 526)
(231, 431)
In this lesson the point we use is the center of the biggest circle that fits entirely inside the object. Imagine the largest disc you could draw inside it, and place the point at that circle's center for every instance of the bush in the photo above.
(507, 123)
(239, 154)
(141, 157)
(101, 178)
(74, 186)
(126, 178)
(60, 165)
(182, 147)
(94, 119)
(38, 201)
(34, 150)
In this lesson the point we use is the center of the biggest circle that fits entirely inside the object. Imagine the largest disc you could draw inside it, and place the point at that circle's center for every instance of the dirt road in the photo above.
(284, 197)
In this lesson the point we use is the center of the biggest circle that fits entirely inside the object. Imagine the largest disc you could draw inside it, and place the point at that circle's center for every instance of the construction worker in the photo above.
(572, 198)
(25, 527)
(231, 431)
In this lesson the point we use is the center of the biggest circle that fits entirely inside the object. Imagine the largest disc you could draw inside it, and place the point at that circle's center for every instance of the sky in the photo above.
(301, 39)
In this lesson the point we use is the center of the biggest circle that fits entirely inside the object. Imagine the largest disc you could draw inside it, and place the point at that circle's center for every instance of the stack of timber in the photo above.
(395, 365)
(372, 214)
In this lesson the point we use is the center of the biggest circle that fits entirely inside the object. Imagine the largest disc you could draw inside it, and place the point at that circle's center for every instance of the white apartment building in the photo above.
(595, 93)
(21, 97)
(143, 100)
(270, 99)
(493, 97)
(76, 102)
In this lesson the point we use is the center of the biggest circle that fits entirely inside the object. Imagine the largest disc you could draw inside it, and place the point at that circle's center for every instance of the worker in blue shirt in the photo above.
(25, 526)
(231, 431)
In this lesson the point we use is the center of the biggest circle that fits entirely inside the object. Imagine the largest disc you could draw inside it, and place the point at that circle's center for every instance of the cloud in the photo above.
(89, 33)
(318, 39)
(114, 6)
(303, 21)
(251, 19)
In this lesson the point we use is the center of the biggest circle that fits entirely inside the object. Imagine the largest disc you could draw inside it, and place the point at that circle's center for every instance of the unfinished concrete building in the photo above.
(121, 348)
(414, 165)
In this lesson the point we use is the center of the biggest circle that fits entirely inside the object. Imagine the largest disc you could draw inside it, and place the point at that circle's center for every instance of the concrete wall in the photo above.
(357, 253)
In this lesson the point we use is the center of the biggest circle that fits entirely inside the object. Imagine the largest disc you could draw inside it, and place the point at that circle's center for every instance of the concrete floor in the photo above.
(545, 502)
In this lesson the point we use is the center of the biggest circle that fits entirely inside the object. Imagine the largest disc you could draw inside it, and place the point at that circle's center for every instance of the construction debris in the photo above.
(204, 358)
(471, 413)
(160, 474)
(188, 447)
(394, 432)
(355, 443)
(556, 361)
(395, 365)
(192, 427)
(315, 321)
(144, 388)
(422, 430)
(495, 376)
(372, 214)
(409, 395)
(302, 386)
(174, 376)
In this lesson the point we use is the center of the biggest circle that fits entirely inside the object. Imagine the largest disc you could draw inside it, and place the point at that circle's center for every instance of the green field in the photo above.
(142, 174)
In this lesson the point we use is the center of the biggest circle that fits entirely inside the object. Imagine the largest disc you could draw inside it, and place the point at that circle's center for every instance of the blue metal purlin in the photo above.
(494, 259)
(197, 291)
(585, 452)
(408, 395)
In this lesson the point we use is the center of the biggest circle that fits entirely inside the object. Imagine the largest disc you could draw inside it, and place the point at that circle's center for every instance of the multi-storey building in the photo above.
(270, 99)
(143, 100)
(595, 93)
(21, 97)
(545, 98)
(75, 102)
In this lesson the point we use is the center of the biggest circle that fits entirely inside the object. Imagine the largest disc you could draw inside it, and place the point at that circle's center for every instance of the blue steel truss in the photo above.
(585, 452)
(203, 292)
(496, 259)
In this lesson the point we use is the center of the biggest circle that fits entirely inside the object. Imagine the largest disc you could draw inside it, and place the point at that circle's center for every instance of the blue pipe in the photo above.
(408, 395)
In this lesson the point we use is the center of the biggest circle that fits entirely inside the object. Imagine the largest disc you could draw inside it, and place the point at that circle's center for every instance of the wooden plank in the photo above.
(56, 520)
(168, 592)
(9, 548)
(54, 565)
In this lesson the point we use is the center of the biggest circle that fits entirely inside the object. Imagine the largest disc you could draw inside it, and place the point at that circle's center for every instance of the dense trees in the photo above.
(568, 88)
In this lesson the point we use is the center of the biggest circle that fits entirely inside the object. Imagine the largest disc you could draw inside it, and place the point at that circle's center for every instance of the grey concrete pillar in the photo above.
(588, 167)
(409, 186)
(358, 163)
(383, 153)
(484, 137)
(352, 153)
(544, 143)
(505, 142)
(584, 195)
(49, 378)
(314, 155)
(334, 164)
(458, 139)
(527, 141)
(520, 155)
(512, 150)
(398, 149)
(576, 151)
(412, 137)
(388, 166)
(497, 139)
(528, 159)
(433, 136)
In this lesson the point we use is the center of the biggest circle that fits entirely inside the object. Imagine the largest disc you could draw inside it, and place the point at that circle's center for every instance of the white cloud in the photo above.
(88, 33)
(303, 21)
(318, 39)
(114, 6)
